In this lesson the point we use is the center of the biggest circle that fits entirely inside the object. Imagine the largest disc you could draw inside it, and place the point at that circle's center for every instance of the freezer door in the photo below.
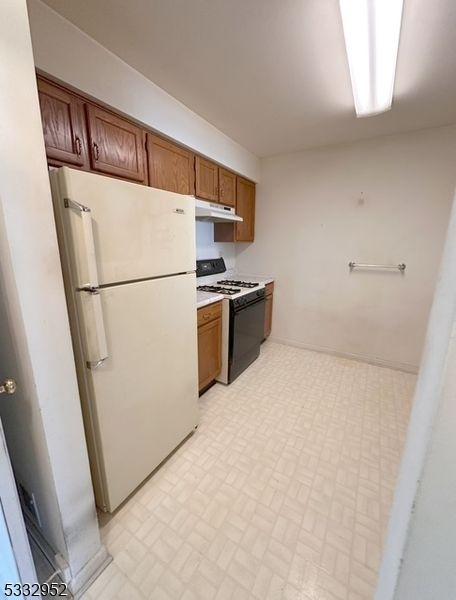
(144, 395)
(137, 231)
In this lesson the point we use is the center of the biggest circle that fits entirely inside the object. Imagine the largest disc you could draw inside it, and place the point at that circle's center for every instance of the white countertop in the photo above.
(205, 298)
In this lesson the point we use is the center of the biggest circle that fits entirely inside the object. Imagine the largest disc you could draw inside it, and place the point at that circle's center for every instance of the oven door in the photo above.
(246, 335)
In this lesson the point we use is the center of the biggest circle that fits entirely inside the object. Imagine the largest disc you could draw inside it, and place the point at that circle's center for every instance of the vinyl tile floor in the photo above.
(283, 492)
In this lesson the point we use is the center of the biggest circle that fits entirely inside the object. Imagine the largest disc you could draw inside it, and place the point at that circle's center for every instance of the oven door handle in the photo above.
(252, 303)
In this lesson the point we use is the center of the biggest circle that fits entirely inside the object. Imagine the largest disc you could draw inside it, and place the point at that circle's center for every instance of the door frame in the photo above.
(10, 510)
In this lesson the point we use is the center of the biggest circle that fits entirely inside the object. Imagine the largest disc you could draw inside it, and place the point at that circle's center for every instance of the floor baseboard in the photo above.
(378, 362)
(49, 569)
(52, 564)
(83, 580)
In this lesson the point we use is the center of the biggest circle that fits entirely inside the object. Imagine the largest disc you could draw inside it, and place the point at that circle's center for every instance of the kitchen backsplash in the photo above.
(207, 248)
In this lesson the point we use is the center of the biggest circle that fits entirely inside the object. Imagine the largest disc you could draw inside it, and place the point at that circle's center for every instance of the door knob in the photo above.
(8, 386)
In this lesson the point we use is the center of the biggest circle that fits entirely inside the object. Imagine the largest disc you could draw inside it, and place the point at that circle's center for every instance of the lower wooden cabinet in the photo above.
(209, 343)
(268, 309)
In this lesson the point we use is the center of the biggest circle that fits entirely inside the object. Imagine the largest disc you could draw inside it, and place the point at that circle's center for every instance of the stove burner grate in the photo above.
(241, 284)
(218, 289)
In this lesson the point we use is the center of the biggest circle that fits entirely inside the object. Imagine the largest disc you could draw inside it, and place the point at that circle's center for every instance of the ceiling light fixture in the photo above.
(371, 30)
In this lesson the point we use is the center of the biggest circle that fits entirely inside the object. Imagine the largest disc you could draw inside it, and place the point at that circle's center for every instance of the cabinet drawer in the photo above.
(209, 313)
(269, 288)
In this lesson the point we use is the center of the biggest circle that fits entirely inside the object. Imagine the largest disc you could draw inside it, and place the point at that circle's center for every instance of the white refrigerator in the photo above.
(128, 260)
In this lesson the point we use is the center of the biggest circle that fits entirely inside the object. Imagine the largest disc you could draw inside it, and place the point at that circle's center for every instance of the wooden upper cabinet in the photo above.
(214, 183)
(227, 187)
(170, 166)
(81, 134)
(62, 115)
(245, 208)
(116, 145)
(206, 179)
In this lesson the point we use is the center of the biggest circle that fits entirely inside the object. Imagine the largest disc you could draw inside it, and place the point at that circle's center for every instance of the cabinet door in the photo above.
(227, 183)
(62, 115)
(170, 166)
(209, 352)
(206, 183)
(268, 316)
(245, 208)
(116, 145)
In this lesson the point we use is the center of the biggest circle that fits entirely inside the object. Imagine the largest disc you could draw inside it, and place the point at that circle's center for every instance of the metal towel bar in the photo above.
(354, 265)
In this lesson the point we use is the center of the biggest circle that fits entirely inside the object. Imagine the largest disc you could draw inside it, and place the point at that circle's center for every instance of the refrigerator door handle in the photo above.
(95, 335)
(94, 364)
(96, 349)
(75, 205)
(89, 243)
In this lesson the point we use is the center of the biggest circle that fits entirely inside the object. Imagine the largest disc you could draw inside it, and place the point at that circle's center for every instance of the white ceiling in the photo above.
(272, 74)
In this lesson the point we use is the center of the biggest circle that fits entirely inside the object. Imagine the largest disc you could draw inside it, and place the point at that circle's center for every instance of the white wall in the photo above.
(64, 51)
(428, 565)
(385, 200)
(42, 421)
(418, 560)
(207, 248)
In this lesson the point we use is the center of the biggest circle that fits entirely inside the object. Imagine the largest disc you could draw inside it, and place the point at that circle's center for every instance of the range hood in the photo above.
(217, 213)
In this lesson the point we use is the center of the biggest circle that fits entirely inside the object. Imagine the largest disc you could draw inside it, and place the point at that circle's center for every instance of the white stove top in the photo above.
(223, 282)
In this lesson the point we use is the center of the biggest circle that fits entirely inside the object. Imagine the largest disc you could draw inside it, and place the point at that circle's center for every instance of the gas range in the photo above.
(238, 297)
(208, 273)
(243, 314)
(231, 293)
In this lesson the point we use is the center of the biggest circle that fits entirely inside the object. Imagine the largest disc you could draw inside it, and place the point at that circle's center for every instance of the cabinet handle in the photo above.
(206, 317)
(96, 151)
(77, 143)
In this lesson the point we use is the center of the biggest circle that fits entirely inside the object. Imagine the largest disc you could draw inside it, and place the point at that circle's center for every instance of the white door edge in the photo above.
(14, 544)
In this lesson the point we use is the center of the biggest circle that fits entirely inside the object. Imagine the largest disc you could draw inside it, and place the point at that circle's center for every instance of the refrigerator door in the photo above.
(137, 231)
(143, 397)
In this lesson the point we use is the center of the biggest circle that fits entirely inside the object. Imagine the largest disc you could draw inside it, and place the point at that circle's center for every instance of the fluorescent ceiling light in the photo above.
(371, 30)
